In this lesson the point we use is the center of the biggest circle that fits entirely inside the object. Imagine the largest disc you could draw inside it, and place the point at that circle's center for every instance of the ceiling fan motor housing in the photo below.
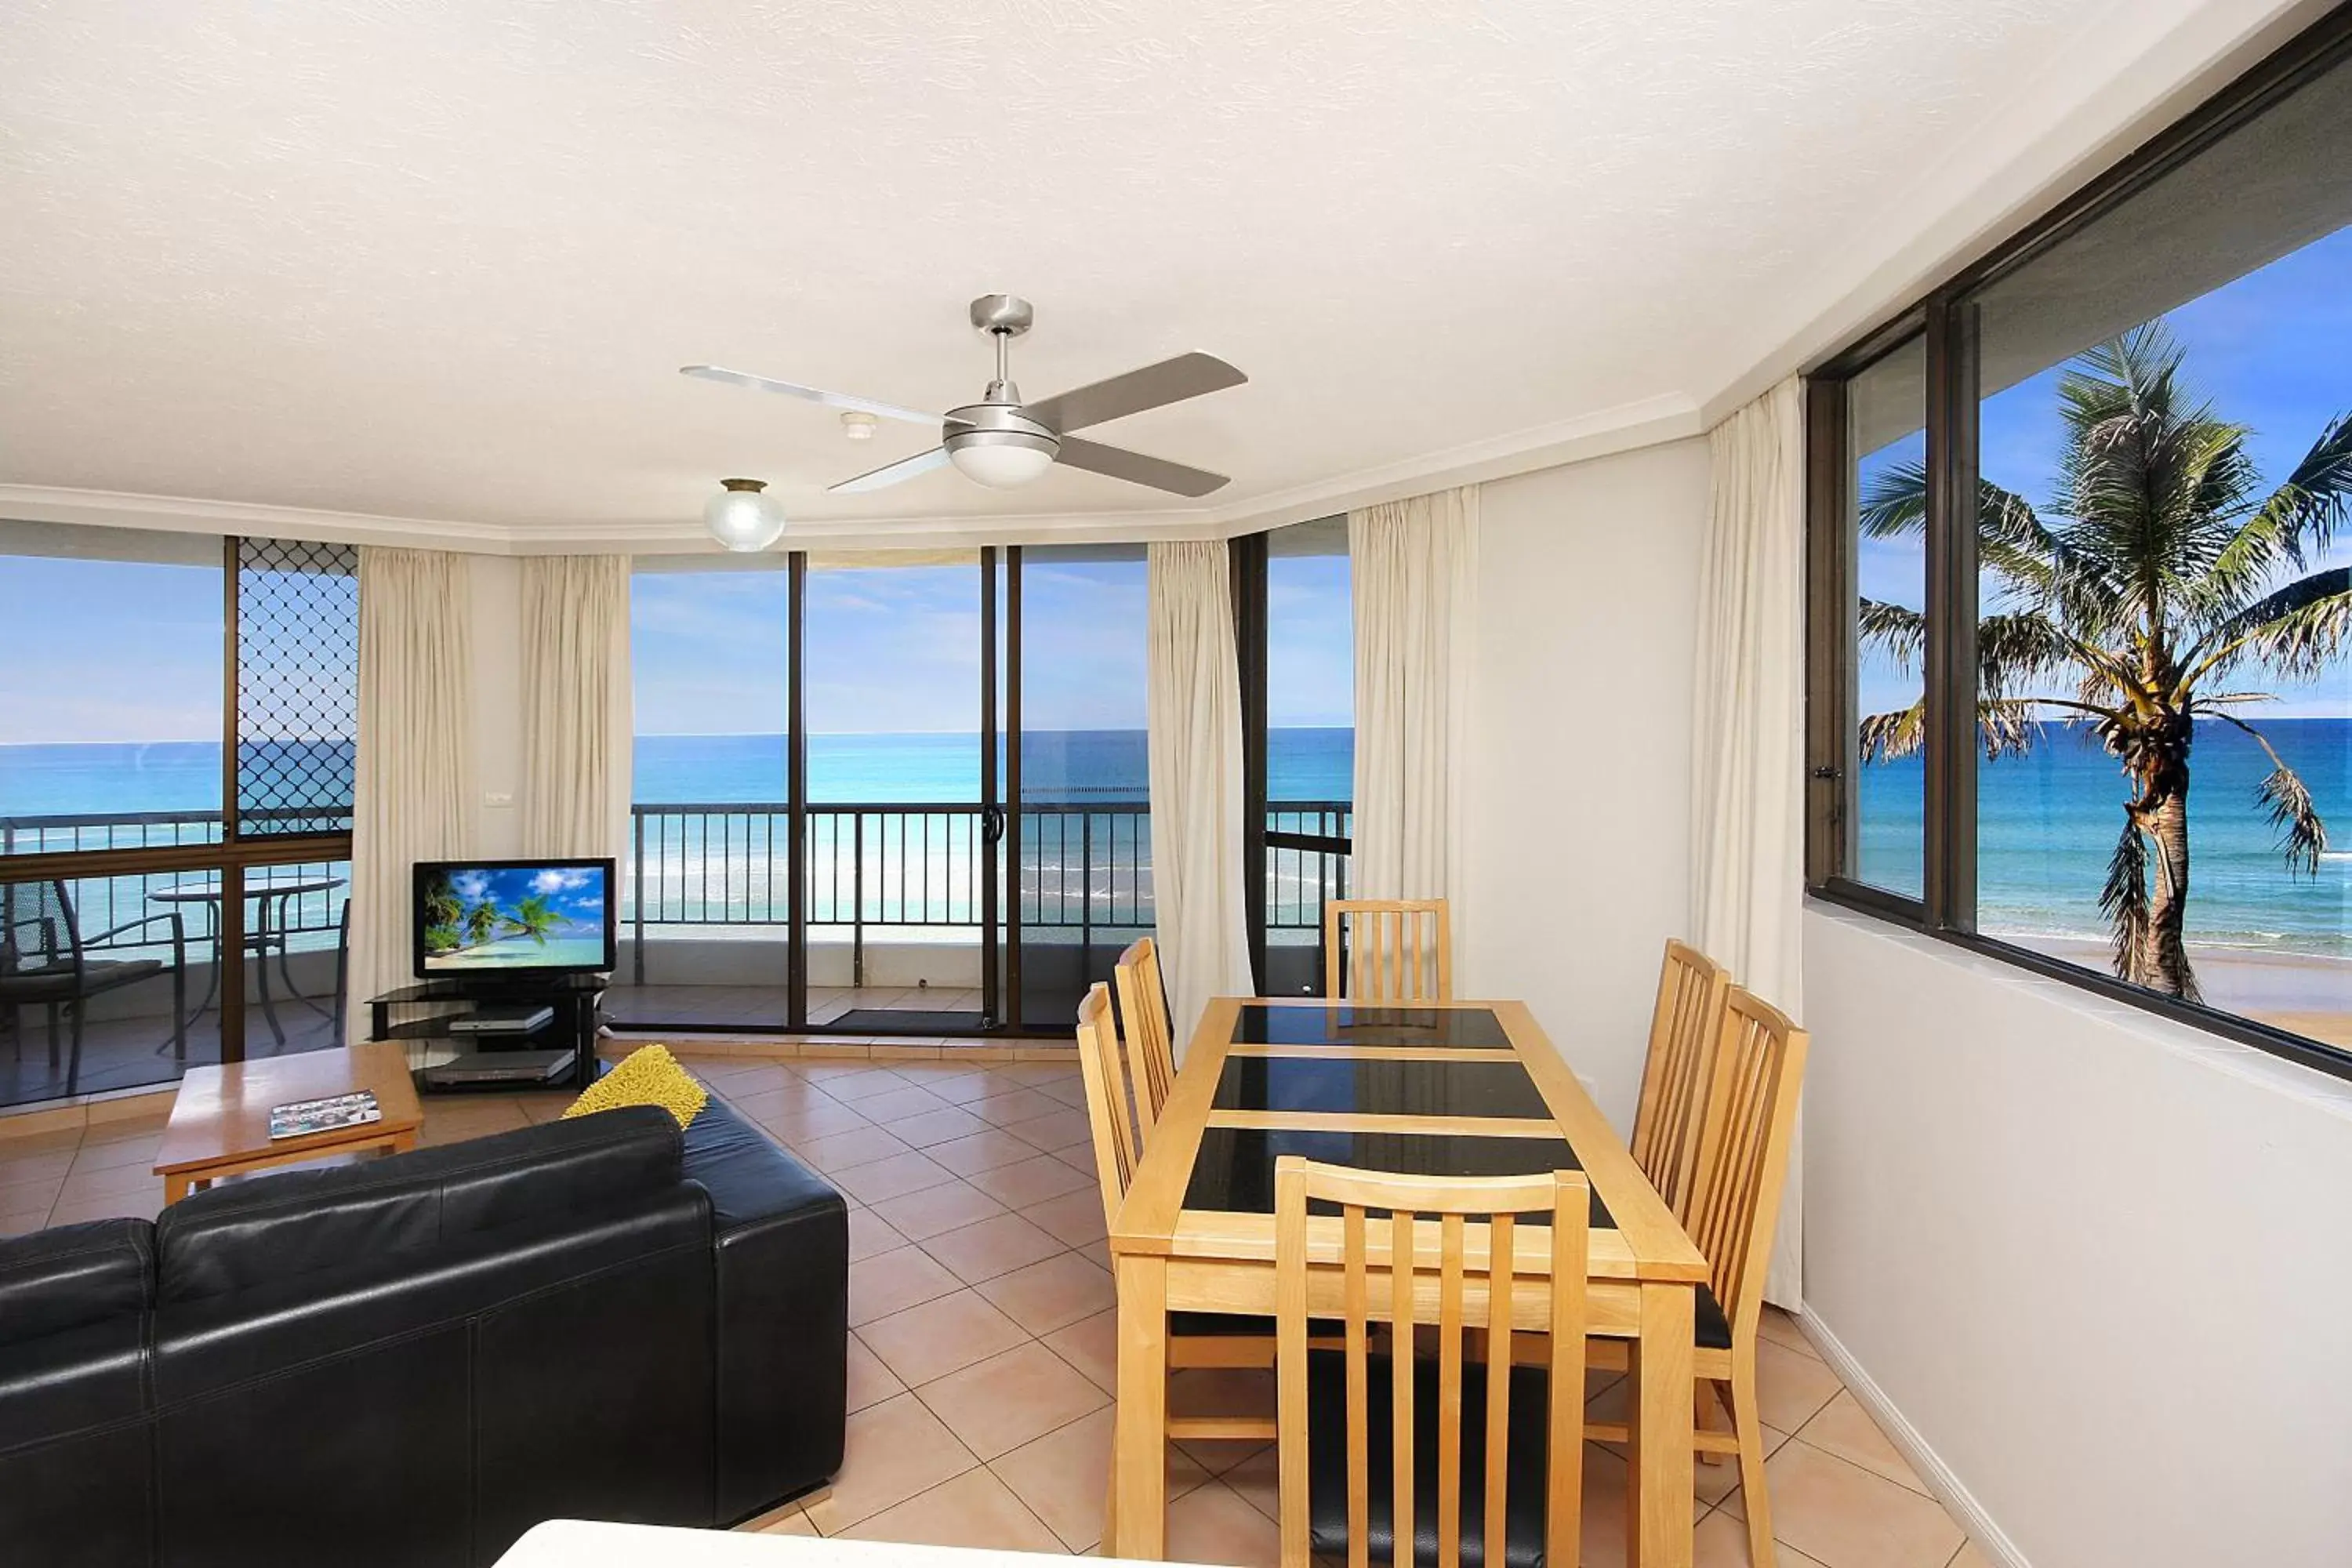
(997, 425)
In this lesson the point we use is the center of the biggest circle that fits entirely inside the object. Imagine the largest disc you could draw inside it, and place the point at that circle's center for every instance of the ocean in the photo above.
(2048, 820)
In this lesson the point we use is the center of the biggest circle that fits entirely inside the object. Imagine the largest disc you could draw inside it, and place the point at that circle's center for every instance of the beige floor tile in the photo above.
(1721, 1541)
(1844, 1428)
(138, 1151)
(808, 1119)
(1064, 1129)
(1781, 1330)
(1052, 1293)
(1257, 1481)
(945, 1125)
(1033, 1181)
(1970, 1556)
(1843, 1516)
(1790, 1388)
(108, 1181)
(1064, 1474)
(995, 1405)
(1078, 1157)
(991, 1248)
(961, 1085)
(975, 1510)
(850, 1082)
(1070, 1092)
(896, 1451)
(859, 1146)
(870, 1383)
(1012, 1105)
(903, 1104)
(50, 1164)
(1604, 1545)
(893, 1281)
(23, 1222)
(870, 1234)
(942, 1336)
(794, 1521)
(128, 1206)
(983, 1150)
(1211, 1523)
(1091, 1344)
(1076, 1218)
(935, 1211)
(894, 1177)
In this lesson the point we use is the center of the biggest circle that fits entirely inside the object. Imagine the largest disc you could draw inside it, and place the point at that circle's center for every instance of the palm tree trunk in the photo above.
(2161, 815)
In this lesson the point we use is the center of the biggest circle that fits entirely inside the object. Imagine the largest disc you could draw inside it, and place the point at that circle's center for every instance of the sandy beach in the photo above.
(2300, 992)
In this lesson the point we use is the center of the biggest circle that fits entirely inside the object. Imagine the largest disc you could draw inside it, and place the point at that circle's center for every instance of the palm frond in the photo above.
(1895, 630)
(2123, 899)
(2300, 515)
(2287, 799)
(1885, 737)
(1896, 502)
(2294, 632)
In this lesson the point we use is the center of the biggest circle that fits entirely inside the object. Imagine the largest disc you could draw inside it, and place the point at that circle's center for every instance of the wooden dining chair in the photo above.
(1734, 1207)
(1143, 1009)
(1684, 1029)
(1387, 950)
(1465, 1445)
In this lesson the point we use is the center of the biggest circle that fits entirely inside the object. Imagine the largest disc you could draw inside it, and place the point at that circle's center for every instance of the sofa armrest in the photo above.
(75, 1274)
(782, 1253)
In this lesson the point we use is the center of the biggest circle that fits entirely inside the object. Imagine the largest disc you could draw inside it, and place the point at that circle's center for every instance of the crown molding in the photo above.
(1641, 424)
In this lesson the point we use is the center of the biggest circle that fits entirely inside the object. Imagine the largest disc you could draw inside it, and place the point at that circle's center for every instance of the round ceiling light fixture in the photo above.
(996, 444)
(857, 426)
(741, 516)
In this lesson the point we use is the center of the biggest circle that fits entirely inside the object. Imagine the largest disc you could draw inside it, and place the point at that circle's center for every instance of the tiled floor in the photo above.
(982, 1322)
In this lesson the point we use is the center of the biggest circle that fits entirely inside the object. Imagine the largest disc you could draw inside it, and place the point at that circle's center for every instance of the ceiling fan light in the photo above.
(742, 518)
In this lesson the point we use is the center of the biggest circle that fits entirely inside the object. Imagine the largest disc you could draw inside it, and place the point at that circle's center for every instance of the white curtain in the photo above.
(1195, 755)
(576, 704)
(415, 763)
(1414, 567)
(1747, 878)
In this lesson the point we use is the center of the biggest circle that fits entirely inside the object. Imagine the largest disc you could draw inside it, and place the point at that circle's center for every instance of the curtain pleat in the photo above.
(1195, 745)
(415, 786)
(575, 696)
(1747, 876)
(1414, 568)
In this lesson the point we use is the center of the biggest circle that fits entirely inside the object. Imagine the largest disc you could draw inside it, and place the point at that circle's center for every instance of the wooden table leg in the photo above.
(176, 1187)
(1138, 1475)
(1659, 1481)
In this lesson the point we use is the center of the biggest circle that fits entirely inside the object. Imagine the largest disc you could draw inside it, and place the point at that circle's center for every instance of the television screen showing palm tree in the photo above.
(498, 916)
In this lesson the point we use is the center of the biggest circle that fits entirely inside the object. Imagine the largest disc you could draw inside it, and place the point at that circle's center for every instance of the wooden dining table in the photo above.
(1455, 1089)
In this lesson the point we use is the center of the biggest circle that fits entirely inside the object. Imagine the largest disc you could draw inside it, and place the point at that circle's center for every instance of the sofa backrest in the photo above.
(251, 1232)
(75, 1274)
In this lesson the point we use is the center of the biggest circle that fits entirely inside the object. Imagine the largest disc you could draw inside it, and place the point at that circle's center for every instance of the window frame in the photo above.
(1948, 317)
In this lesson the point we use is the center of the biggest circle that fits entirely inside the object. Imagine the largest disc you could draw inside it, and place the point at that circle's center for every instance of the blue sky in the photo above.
(571, 891)
(2272, 349)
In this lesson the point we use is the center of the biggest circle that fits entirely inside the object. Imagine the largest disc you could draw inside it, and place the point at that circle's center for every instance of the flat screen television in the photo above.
(492, 918)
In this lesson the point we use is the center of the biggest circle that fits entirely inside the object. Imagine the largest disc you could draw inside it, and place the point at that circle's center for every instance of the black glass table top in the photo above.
(1468, 1028)
(1379, 1087)
(1234, 1169)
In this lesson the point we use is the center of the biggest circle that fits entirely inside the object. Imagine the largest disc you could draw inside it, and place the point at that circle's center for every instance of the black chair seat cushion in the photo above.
(1710, 1329)
(57, 984)
(1327, 1461)
(1230, 1324)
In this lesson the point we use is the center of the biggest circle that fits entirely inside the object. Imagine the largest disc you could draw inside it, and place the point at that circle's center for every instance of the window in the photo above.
(2131, 739)
(175, 802)
(1295, 615)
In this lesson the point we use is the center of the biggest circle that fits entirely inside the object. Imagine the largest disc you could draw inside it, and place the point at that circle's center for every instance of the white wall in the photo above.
(2100, 1263)
(1581, 766)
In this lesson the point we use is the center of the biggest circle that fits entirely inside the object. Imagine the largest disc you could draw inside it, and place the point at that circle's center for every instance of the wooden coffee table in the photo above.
(220, 1122)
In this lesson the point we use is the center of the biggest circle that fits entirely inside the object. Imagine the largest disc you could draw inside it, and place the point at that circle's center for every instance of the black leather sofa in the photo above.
(414, 1360)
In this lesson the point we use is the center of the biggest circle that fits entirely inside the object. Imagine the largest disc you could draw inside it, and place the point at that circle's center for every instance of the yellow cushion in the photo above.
(650, 1076)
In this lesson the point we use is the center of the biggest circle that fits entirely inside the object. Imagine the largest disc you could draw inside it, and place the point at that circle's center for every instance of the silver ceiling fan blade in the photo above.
(1153, 386)
(892, 473)
(1136, 469)
(808, 394)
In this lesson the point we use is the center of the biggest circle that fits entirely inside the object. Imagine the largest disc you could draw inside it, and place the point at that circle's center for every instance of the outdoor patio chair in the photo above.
(46, 961)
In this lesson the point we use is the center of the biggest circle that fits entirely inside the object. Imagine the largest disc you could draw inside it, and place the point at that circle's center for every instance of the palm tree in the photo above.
(482, 922)
(2162, 577)
(531, 917)
(443, 910)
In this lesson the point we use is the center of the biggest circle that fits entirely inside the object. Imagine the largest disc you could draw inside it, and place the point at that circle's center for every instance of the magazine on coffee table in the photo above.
(304, 1117)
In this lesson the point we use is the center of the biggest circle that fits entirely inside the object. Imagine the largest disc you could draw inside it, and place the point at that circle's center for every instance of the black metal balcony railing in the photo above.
(1085, 867)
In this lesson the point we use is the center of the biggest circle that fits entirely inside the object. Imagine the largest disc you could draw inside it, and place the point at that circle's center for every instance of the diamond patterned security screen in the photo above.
(297, 689)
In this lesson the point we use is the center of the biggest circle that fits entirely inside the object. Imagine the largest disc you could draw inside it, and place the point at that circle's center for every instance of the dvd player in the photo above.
(517, 1018)
(500, 1066)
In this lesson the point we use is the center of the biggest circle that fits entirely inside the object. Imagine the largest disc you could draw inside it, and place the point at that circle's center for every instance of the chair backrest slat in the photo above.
(1685, 1028)
(1143, 1008)
(1743, 1155)
(1118, 1150)
(1387, 950)
(1466, 1298)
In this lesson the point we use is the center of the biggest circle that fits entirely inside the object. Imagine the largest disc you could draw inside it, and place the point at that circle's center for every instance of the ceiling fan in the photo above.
(1002, 442)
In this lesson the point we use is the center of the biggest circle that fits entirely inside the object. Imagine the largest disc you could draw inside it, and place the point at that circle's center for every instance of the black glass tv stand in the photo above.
(495, 1030)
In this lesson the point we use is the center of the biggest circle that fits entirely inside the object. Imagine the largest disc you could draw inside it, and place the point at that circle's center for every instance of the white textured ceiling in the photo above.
(440, 261)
